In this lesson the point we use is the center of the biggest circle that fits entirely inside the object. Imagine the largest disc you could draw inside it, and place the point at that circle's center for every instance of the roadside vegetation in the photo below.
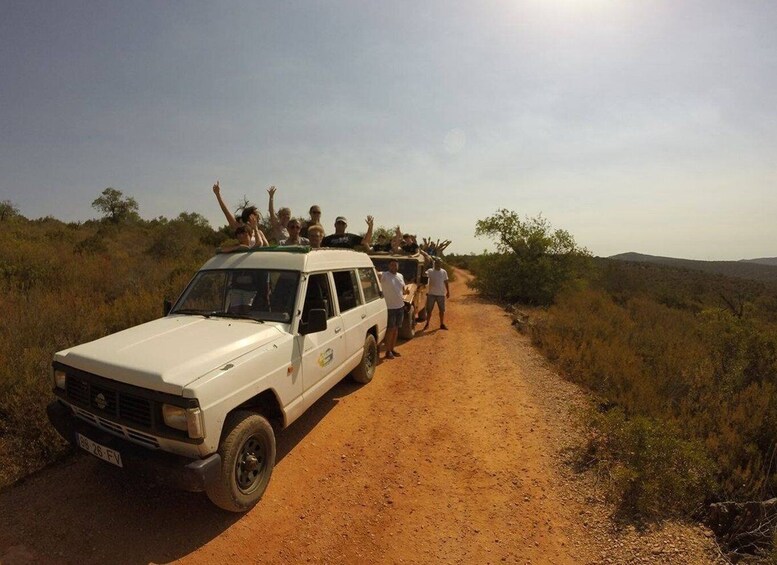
(67, 283)
(683, 363)
(62, 284)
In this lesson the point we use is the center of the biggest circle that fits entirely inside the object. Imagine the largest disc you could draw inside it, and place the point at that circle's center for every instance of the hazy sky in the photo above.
(646, 126)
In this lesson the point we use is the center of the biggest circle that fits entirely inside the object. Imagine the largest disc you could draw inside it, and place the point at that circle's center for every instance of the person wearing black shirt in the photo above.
(348, 240)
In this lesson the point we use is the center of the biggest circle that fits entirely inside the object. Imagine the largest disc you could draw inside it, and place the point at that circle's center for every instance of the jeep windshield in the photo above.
(252, 294)
(408, 267)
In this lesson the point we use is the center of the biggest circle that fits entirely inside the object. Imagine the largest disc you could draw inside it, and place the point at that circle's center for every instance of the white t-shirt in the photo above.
(393, 287)
(437, 281)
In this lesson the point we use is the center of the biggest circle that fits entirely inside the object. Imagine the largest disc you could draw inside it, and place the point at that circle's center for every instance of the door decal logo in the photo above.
(325, 358)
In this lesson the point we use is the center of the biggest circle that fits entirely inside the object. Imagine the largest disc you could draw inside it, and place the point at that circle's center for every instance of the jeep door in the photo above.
(349, 301)
(322, 352)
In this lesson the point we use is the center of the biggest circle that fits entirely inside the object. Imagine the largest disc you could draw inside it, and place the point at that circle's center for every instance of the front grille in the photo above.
(127, 410)
(147, 440)
(135, 410)
(107, 402)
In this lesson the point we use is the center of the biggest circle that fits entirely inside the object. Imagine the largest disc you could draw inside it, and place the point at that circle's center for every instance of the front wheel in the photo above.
(247, 460)
(364, 372)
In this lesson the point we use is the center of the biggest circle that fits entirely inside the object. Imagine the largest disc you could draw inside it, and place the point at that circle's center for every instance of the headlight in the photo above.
(59, 378)
(184, 419)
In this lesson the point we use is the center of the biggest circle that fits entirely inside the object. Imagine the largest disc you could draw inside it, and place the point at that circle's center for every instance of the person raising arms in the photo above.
(348, 240)
(278, 222)
(249, 217)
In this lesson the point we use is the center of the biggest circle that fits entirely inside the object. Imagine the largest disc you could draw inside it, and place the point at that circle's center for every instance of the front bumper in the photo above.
(173, 470)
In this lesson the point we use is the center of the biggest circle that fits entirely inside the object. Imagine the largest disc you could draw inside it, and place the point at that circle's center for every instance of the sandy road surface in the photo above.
(453, 454)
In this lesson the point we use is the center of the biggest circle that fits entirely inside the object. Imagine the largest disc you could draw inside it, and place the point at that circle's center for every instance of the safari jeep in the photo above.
(413, 269)
(255, 339)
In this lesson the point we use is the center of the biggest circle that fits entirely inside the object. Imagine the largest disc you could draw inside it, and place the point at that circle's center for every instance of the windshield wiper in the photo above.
(192, 311)
(234, 316)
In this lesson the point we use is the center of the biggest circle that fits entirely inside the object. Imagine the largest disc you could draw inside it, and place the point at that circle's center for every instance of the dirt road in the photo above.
(453, 454)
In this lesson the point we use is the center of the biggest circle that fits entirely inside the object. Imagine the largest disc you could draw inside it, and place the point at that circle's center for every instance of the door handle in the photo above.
(364, 316)
(338, 330)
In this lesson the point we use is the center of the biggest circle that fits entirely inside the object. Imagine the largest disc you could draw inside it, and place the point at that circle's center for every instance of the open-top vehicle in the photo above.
(255, 339)
(413, 268)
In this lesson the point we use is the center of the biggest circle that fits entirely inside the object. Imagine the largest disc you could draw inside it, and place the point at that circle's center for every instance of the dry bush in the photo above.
(704, 373)
(57, 291)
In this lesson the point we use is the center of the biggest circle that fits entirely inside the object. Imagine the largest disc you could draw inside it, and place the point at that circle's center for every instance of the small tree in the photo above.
(8, 210)
(533, 261)
(115, 207)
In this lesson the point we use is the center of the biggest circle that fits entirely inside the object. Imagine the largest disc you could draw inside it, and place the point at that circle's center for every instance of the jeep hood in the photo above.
(169, 353)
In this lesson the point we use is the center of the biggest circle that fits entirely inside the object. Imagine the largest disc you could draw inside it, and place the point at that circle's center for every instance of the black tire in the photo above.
(407, 331)
(247, 460)
(364, 372)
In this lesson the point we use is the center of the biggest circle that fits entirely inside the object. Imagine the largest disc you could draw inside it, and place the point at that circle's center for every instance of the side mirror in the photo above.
(166, 307)
(316, 322)
(424, 279)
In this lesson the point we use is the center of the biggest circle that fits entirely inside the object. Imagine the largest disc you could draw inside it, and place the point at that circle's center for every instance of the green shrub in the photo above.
(651, 470)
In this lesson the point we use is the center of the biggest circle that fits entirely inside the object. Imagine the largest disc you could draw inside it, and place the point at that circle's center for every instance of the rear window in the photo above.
(369, 284)
(408, 268)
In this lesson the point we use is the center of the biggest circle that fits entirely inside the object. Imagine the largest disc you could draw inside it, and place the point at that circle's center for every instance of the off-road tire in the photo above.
(407, 331)
(247, 459)
(364, 372)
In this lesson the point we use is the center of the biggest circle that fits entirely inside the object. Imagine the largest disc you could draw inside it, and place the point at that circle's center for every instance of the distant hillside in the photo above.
(764, 270)
(762, 261)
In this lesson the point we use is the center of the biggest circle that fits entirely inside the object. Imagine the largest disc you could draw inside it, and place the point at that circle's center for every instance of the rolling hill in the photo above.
(764, 270)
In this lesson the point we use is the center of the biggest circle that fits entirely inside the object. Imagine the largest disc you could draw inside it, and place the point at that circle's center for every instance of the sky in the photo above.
(635, 125)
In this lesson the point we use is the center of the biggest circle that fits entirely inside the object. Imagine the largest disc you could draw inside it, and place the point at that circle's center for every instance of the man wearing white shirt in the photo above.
(394, 291)
(438, 292)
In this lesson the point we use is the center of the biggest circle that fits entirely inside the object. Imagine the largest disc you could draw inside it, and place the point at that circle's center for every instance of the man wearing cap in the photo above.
(315, 219)
(348, 240)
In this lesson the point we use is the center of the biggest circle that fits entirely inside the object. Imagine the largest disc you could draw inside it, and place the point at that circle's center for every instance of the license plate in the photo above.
(110, 455)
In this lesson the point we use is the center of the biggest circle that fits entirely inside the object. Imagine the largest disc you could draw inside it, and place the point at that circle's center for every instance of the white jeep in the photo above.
(255, 339)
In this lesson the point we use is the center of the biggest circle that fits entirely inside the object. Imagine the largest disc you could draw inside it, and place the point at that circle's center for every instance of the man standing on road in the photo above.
(438, 292)
(394, 291)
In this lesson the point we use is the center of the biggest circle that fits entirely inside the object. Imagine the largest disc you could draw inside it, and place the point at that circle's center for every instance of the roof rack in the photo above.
(270, 249)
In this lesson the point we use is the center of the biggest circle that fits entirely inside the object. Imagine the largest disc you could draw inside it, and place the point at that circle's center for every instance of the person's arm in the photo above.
(447, 289)
(395, 241)
(229, 248)
(261, 240)
(367, 239)
(229, 215)
(274, 222)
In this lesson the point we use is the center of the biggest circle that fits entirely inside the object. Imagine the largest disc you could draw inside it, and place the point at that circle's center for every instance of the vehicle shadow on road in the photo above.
(81, 510)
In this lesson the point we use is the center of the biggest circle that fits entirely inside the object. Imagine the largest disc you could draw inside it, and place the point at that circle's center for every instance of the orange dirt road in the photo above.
(452, 454)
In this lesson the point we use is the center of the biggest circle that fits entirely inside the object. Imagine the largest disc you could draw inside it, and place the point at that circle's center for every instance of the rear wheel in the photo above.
(407, 331)
(364, 372)
(247, 460)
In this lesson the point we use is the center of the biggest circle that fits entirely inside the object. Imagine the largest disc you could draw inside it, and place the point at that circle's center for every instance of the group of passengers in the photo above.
(287, 230)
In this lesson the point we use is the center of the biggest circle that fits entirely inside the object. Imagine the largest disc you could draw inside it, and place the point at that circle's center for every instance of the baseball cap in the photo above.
(341, 219)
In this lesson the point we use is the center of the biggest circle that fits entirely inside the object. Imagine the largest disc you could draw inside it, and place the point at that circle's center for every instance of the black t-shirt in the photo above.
(345, 240)
(381, 247)
(410, 247)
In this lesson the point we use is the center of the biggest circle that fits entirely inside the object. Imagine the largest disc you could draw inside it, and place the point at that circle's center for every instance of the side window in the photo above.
(346, 285)
(369, 284)
(318, 295)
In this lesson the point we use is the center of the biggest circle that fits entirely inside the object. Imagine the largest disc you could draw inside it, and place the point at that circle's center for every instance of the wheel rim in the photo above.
(370, 356)
(251, 464)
